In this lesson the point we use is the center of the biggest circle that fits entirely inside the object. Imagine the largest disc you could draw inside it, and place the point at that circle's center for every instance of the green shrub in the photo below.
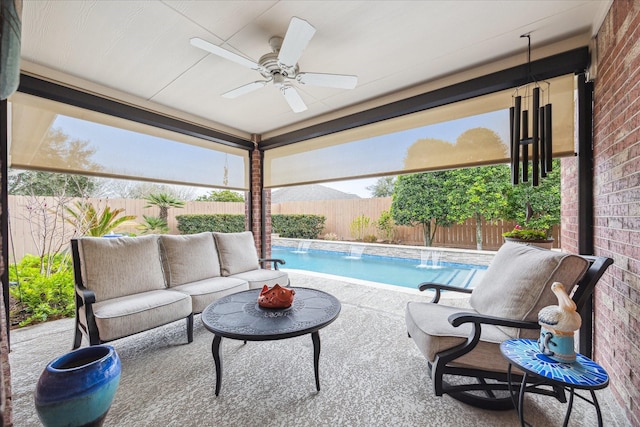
(359, 226)
(39, 297)
(298, 226)
(198, 223)
(386, 226)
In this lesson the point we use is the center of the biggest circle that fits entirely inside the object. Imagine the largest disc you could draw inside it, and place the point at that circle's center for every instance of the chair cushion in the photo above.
(517, 283)
(261, 277)
(204, 292)
(120, 317)
(120, 266)
(237, 252)
(189, 258)
(428, 326)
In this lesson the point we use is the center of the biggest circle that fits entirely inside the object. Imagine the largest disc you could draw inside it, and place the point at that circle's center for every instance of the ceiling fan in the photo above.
(281, 65)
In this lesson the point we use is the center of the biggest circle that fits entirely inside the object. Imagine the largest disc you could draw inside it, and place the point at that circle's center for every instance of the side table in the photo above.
(583, 374)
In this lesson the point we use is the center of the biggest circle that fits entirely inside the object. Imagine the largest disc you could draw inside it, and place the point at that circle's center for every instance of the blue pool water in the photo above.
(403, 272)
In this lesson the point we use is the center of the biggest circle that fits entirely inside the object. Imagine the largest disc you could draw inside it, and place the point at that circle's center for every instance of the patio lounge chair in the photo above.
(462, 346)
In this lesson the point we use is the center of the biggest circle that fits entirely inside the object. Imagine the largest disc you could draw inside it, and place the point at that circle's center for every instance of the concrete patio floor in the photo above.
(371, 374)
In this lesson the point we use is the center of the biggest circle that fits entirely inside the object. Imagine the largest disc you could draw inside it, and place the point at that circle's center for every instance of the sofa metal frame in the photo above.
(86, 297)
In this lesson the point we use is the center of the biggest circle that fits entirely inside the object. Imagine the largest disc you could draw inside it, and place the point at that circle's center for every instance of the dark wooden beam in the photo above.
(55, 92)
(4, 214)
(585, 199)
(573, 61)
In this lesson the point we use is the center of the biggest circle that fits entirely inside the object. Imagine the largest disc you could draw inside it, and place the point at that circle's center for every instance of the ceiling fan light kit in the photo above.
(281, 65)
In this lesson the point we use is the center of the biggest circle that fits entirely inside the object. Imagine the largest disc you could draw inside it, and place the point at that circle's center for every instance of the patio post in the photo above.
(258, 212)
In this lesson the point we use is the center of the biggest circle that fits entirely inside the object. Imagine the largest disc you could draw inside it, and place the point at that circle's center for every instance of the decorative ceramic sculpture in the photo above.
(276, 297)
(558, 324)
(77, 389)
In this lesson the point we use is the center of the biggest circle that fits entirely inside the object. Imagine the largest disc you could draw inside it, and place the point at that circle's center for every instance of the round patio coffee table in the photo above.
(238, 316)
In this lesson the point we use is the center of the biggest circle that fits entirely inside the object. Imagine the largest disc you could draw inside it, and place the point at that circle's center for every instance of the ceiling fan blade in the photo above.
(295, 41)
(293, 99)
(239, 91)
(223, 53)
(340, 81)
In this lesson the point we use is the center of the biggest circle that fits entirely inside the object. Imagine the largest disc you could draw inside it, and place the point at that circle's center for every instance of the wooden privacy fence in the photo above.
(26, 227)
(340, 214)
(25, 232)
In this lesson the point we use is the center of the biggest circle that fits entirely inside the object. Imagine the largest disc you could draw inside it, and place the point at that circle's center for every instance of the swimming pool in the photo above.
(408, 273)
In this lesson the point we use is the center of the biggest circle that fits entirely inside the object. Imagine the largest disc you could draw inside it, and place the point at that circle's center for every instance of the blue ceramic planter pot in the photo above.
(77, 388)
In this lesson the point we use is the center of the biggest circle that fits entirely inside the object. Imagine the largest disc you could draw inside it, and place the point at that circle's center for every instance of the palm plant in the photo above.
(153, 225)
(89, 222)
(164, 201)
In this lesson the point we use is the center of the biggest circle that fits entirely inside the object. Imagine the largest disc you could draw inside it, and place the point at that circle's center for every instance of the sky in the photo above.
(355, 186)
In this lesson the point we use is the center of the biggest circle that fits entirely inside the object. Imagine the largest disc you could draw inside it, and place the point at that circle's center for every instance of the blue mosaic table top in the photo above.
(584, 373)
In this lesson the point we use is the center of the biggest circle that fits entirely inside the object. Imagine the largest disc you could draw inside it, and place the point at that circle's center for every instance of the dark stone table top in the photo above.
(239, 316)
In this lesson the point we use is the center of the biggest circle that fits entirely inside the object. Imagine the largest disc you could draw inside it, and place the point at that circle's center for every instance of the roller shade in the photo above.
(468, 133)
(52, 136)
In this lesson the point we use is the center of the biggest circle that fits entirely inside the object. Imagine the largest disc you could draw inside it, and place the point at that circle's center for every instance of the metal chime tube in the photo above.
(525, 146)
(515, 139)
(547, 138)
(543, 148)
(535, 125)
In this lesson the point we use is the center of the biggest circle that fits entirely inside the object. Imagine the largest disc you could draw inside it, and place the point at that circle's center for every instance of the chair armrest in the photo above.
(87, 296)
(440, 287)
(476, 320)
(457, 319)
(275, 261)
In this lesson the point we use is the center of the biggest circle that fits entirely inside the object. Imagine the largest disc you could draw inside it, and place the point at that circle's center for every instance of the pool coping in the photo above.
(446, 255)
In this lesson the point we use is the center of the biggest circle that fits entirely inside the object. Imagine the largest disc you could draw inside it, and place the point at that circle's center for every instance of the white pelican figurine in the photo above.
(562, 317)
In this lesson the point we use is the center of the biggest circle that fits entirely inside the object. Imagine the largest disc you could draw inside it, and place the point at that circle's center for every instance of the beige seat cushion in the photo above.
(117, 267)
(204, 292)
(517, 283)
(120, 317)
(189, 258)
(428, 326)
(258, 278)
(237, 252)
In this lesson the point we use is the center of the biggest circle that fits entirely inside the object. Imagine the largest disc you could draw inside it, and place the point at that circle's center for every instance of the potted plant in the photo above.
(526, 234)
(535, 229)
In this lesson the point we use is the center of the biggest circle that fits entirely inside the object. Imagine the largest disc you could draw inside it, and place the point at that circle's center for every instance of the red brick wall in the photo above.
(256, 205)
(617, 201)
(569, 208)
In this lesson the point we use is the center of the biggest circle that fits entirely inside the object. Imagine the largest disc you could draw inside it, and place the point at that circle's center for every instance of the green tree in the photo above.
(57, 149)
(383, 187)
(538, 207)
(38, 183)
(164, 201)
(221, 196)
(478, 193)
(421, 199)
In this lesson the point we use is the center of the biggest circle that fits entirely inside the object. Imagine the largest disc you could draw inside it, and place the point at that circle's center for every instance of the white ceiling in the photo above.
(139, 51)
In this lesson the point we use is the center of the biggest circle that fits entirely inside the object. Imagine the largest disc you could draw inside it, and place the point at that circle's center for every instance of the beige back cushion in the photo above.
(189, 258)
(115, 267)
(237, 252)
(517, 284)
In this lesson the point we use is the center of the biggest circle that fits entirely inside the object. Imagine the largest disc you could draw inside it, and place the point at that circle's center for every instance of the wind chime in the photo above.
(528, 113)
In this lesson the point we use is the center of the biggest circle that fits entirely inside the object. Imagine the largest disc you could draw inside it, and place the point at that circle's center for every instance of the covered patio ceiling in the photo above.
(138, 52)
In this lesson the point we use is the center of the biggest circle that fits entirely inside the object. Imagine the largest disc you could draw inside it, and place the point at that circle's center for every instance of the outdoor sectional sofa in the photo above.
(127, 285)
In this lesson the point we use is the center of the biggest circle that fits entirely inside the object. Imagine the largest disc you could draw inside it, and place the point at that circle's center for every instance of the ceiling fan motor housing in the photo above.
(270, 66)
